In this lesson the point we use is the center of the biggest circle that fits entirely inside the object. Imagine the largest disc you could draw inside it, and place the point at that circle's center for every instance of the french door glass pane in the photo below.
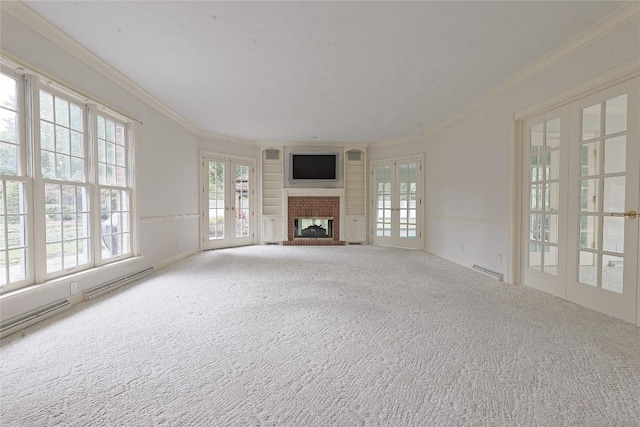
(590, 159)
(551, 259)
(216, 200)
(616, 117)
(383, 211)
(615, 155)
(614, 193)
(612, 273)
(408, 207)
(544, 195)
(613, 234)
(553, 133)
(603, 195)
(588, 268)
(242, 201)
(591, 122)
(535, 256)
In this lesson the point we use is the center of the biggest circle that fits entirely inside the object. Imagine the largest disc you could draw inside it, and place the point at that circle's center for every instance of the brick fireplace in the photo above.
(310, 207)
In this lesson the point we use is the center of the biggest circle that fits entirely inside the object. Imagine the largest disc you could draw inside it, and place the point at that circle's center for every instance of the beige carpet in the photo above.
(297, 336)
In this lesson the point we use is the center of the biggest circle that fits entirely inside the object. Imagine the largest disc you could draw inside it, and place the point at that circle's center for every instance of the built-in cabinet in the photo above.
(272, 184)
(355, 228)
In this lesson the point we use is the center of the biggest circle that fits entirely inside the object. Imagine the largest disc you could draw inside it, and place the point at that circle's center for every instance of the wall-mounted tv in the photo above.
(315, 167)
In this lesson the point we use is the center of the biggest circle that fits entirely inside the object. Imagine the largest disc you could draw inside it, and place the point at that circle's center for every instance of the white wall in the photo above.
(467, 169)
(166, 176)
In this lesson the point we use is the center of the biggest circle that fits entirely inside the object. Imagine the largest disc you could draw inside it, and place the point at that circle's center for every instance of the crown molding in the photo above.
(31, 19)
(617, 19)
(225, 138)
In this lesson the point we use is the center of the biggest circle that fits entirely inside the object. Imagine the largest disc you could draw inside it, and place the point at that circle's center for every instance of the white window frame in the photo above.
(40, 182)
(129, 177)
(29, 85)
(23, 175)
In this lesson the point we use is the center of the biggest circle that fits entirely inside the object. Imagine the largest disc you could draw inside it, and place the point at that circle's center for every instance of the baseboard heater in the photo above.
(495, 274)
(39, 313)
(113, 284)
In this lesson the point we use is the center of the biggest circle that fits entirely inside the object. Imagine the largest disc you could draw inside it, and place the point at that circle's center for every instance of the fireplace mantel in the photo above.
(315, 192)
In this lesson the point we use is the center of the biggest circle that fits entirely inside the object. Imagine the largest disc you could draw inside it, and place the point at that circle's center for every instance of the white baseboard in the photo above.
(168, 262)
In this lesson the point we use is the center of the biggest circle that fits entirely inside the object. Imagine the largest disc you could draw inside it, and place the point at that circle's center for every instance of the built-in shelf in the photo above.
(272, 180)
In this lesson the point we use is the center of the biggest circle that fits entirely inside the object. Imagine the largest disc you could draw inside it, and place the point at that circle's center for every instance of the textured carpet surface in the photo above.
(359, 335)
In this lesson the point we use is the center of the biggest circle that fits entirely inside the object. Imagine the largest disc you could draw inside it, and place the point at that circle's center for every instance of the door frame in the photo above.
(373, 164)
(612, 77)
(203, 155)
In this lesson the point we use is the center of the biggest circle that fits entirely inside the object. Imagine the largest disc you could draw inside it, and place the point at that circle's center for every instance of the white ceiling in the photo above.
(320, 71)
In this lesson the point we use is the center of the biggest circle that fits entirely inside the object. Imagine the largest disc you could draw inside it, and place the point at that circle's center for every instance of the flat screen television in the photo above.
(315, 167)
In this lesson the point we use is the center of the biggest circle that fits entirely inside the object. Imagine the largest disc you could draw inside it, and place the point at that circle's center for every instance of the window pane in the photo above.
(101, 127)
(77, 148)
(8, 92)
(62, 167)
(111, 131)
(8, 125)
(17, 264)
(8, 159)
(47, 141)
(15, 197)
(62, 111)
(54, 257)
(62, 140)
(46, 106)
(76, 117)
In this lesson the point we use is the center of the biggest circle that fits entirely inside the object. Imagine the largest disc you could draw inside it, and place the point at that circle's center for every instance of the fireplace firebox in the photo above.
(313, 228)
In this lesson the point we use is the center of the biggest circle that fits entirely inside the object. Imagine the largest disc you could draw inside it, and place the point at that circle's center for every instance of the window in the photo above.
(115, 195)
(14, 221)
(66, 188)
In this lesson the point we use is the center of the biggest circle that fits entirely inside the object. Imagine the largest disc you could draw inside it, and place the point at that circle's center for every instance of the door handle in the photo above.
(629, 215)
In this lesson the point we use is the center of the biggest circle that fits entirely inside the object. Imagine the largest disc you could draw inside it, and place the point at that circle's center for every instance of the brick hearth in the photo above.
(314, 207)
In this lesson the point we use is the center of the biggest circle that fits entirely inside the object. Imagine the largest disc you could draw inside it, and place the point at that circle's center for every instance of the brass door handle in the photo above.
(629, 215)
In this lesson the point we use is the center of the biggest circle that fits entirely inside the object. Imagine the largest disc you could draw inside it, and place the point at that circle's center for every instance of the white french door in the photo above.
(397, 203)
(545, 224)
(227, 202)
(582, 177)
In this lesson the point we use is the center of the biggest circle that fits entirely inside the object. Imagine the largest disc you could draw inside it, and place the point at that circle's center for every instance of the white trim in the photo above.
(514, 247)
(174, 259)
(606, 26)
(602, 81)
(147, 219)
(612, 77)
(490, 221)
